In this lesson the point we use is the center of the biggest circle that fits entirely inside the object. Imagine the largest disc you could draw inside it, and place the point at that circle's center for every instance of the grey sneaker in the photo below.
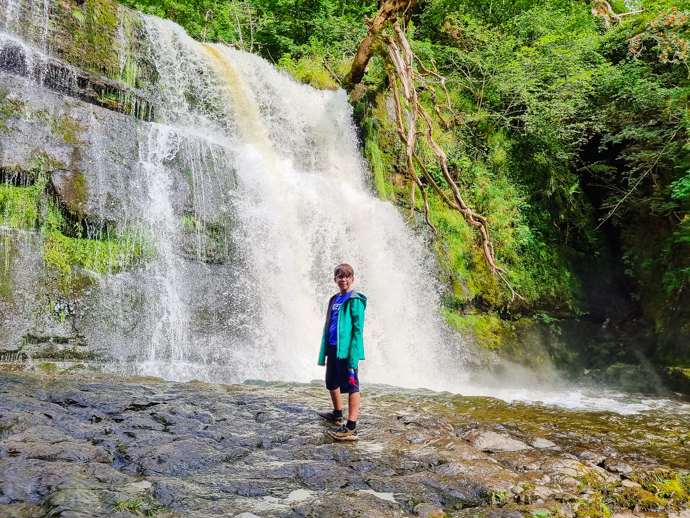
(343, 434)
(330, 417)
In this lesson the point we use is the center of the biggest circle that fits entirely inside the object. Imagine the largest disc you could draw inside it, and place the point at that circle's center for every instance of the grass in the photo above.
(139, 507)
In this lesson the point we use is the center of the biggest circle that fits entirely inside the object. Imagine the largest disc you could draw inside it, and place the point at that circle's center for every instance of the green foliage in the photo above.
(19, 205)
(309, 70)
(269, 27)
(63, 253)
(107, 255)
(680, 189)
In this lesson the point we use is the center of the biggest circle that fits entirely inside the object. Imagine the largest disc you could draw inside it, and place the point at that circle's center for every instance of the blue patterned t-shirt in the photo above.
(335, 309)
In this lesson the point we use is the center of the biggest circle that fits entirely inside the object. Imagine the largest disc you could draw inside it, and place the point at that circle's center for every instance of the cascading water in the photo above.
(170, 333)
(301, 207)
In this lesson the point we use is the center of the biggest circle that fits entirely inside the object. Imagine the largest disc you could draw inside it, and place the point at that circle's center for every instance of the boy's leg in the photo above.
(353, 406)
(349, 431)
(336, 416)
(337, 401)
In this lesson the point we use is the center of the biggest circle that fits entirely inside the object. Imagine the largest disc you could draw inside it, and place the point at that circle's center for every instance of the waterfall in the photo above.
(302, 206)
(251, 188)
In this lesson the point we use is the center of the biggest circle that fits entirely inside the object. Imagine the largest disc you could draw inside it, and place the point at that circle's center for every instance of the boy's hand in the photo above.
(352, 376)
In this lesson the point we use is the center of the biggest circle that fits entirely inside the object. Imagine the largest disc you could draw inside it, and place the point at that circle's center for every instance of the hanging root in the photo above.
(602, 9)
(399, 60)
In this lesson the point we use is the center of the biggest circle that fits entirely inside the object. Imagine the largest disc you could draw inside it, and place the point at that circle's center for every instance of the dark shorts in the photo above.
(337, 375)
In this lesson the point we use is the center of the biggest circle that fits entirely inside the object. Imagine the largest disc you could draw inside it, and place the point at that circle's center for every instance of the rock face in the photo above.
(90, 445)
(79, 153)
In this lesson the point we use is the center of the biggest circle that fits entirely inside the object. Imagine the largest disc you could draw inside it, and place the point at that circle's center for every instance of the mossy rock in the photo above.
(8, 254)
(72, 190)
(95, 52)
(676, 379)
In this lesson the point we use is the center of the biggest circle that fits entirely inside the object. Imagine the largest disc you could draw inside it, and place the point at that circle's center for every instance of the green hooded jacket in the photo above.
(350, 328)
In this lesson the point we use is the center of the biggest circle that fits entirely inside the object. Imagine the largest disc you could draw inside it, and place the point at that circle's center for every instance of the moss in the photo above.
(660, 490)
(596, 508)
(68, 129)
(93, 30)
(377, 138)
(62, 253)
(30, 208)
(95, 35)
(6, 279)
(490, 332)
(19, 206)
(48, 367)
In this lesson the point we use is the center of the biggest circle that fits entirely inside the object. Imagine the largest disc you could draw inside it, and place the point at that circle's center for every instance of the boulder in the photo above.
(492, 442)
(425, 510)
(75, 500)
(71, 188)
(617, 466)
(542, 443)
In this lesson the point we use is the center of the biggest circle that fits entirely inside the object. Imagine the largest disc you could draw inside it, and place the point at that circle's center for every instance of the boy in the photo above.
(341, 350)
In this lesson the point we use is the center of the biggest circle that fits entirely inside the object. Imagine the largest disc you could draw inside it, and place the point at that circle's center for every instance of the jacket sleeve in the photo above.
(357, 343)
(322, 352)
(324, 335)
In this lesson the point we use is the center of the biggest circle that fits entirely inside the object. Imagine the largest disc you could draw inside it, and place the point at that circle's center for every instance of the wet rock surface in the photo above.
(96, 446)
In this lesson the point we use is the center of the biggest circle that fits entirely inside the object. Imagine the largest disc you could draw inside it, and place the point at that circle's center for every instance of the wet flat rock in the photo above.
(110, 447)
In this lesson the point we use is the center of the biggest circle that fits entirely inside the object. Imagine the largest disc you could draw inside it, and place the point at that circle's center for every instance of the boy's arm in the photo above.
(357, 345)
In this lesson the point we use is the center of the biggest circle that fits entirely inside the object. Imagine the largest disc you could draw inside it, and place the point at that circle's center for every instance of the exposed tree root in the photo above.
(602, 9)
(404, 78)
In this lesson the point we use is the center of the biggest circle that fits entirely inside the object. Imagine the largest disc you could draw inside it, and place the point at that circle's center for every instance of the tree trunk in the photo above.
(390, 11)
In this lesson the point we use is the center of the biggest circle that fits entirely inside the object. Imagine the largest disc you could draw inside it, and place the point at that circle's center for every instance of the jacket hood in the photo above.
(360, 296)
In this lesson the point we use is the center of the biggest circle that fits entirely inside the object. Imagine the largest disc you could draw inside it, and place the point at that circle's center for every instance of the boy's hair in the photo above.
(345, 270)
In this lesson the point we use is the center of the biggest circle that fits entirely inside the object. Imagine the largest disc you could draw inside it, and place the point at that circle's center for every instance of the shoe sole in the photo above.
(347, 438)
(340, 422)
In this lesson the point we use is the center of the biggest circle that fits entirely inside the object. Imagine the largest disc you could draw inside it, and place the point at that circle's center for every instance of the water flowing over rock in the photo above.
(186, 205)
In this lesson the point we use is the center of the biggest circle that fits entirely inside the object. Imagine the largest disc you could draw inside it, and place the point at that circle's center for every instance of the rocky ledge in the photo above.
(94, 445)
